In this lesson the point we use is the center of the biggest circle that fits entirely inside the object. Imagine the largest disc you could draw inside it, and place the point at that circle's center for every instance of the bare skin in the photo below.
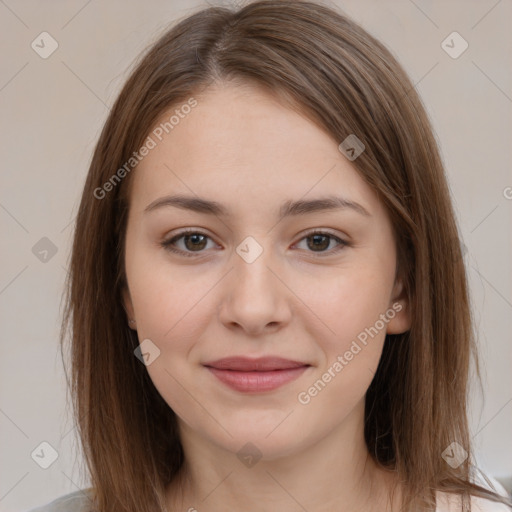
(297, 300)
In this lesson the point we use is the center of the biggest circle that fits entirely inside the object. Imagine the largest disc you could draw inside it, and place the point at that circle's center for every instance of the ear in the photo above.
(128, 307)
(401, 321)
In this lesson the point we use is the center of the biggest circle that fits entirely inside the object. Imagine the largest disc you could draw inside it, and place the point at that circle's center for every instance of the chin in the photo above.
(269, 438)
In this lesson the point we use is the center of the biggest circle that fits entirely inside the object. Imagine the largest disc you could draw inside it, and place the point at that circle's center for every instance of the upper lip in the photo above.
(262, 364)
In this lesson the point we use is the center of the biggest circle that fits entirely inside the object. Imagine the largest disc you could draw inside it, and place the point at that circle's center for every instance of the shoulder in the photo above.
(78, 501)
(452, 503)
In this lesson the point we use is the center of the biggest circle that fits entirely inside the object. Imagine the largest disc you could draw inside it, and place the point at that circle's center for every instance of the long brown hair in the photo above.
(324, 65)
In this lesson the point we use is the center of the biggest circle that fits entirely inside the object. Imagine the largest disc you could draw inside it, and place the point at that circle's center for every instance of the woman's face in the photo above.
(251, 283)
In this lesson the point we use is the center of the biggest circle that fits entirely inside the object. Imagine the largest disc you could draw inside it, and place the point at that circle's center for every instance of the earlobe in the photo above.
(399, 311)
(400, 320)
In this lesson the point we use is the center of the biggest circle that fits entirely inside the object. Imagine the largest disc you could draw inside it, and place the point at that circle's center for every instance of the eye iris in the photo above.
(318, 238)
(195, 238)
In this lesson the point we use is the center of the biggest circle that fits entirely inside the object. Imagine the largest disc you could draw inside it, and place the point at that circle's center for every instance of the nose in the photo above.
(255, 298)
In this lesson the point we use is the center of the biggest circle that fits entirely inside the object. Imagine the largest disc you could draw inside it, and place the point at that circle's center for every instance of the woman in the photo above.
(267, 301)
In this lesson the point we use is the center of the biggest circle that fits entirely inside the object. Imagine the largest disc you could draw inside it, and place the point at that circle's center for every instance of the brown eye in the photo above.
(319, 242)
(191, 242)
(195, 242)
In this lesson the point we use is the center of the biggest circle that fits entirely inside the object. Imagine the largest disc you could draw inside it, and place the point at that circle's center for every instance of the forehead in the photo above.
(239, 141)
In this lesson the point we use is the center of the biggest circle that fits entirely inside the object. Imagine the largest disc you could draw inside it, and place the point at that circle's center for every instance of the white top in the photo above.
(78, 501)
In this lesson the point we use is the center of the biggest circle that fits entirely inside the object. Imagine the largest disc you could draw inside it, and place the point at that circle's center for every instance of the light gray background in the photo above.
(52, 111)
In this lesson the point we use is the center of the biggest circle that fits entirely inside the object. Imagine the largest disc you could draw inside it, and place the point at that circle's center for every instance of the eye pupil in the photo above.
(195, 237)
(318, 238)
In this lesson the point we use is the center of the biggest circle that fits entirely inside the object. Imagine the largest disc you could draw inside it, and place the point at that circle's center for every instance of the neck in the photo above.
(335, 473)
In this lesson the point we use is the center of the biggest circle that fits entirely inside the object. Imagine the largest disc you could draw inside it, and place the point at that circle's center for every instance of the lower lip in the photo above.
(248, 382)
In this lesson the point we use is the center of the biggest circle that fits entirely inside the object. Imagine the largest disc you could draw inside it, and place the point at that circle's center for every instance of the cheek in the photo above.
(349, 305)
(172, 311)
(168, 300)
(352, 307)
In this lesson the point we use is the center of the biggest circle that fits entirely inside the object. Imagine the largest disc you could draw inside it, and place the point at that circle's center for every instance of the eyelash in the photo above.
(168, 244)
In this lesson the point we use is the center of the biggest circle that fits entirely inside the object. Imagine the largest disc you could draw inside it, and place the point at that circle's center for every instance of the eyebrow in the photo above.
(289, 208)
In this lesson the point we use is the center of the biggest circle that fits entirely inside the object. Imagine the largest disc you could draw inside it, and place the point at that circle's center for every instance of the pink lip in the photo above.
(256, 375)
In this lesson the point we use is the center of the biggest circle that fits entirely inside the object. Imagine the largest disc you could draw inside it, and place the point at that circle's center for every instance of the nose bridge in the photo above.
(252, 261)
(254, 297)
